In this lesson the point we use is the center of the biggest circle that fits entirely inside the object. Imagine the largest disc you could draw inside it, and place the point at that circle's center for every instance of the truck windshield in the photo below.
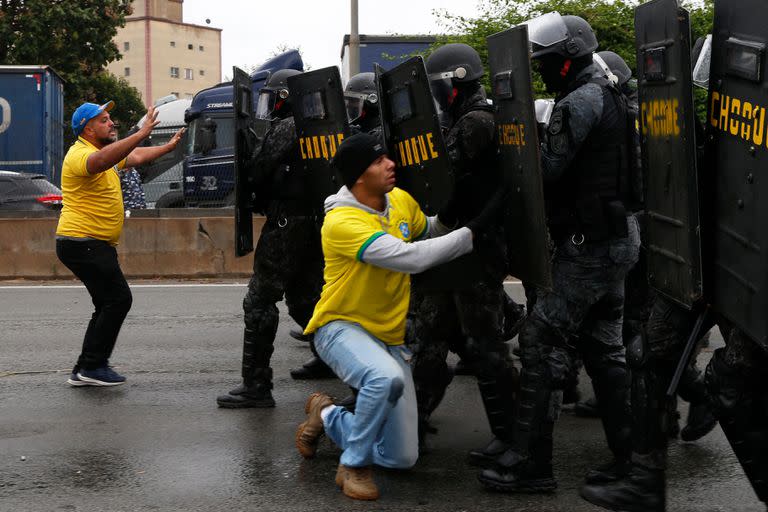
(225, 132)
(160, 136)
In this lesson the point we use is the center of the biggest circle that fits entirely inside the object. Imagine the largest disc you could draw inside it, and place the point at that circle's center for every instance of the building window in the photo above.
(201, 72)
(127, 71)
(173, 44)
(126, 46)
(201, 48)
(176, 94)
(190, 46)
(174, 72)
(188, 74)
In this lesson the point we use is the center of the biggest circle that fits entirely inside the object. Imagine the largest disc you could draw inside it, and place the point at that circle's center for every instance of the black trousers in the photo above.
(95, 263)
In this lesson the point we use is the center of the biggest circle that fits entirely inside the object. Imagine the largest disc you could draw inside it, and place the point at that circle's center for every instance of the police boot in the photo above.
(587, 408)
(315, 368)
(571, 394)
(611, 386)
(255, 391)
(642, 490)
(298, 335)
(701, 418)
(499, 395)
(487, 455)
(348, 402)
(431, 382)
(742, 410)
(513, 473)
(700, 422)
(528, 466)
(462, 368)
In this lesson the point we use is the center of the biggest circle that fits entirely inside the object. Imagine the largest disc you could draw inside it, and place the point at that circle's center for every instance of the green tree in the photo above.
(75, 37)
(612, 20)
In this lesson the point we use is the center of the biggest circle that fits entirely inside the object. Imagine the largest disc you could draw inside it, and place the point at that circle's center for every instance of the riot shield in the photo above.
(668, 148)
(738, 150)
(528, 249)
(412, 134)
(245, 139)
(321, 124)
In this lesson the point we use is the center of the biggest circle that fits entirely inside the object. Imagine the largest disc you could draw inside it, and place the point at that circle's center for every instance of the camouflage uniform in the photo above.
(288, 260)
(596, 243)
(459, 306)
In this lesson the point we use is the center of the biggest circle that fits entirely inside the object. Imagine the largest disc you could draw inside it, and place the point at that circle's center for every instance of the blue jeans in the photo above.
(383, 430)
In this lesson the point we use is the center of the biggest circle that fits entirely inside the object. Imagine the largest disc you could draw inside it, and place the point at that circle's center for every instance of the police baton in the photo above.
(686, 357)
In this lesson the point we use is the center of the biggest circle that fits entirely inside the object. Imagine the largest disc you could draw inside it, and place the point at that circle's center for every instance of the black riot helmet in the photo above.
(617, 65)
(568, 36)
(453, 66)
(361, 98)
(274, 96)
(561, 47)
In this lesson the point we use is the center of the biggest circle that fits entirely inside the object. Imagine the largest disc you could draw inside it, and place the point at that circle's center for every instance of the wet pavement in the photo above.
(160, 443)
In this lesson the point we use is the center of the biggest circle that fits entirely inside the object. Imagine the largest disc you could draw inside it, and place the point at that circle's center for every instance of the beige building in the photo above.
(162, 55)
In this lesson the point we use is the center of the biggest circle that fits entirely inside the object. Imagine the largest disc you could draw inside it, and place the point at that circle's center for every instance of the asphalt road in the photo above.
(160, 443)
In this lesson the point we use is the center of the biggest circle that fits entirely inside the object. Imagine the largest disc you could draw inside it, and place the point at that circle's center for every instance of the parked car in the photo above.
(28, 191)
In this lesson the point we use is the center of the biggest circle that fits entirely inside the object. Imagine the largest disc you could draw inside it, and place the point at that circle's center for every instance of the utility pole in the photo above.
(354, 42)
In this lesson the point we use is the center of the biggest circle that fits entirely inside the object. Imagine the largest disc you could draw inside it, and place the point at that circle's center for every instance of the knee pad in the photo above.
(486, 355)
(559, 367)
(258, 316)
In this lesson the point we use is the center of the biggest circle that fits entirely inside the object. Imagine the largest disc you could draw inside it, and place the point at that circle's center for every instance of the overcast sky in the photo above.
(254, 30)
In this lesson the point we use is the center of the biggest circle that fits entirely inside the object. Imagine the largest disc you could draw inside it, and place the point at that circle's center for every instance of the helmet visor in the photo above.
(701, 68)
(442, 90)
(547, 30)
(266, 104)
(544, 110)
(354, 106)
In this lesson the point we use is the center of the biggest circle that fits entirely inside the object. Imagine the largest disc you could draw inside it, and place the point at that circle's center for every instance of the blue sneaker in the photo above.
(75, 381)
(104, 376)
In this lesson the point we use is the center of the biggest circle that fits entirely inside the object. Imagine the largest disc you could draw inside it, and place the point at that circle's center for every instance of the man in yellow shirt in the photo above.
(372, 240)
(90, 224)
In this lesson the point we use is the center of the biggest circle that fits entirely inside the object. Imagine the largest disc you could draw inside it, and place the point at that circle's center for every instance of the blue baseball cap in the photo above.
(86, 112)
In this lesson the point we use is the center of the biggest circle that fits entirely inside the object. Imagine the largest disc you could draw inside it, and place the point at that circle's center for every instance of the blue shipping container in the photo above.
(32, 120)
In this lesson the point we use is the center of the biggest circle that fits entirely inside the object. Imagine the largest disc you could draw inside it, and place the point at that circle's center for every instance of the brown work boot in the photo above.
(357, 483)
(308, 434)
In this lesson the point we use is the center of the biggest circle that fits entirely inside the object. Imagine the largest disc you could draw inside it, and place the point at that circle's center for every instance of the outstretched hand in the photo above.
(176, 139)
(150, 122)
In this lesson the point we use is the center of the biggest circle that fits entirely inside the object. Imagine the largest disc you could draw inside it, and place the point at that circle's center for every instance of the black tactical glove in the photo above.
(491, 214)
(448, 214)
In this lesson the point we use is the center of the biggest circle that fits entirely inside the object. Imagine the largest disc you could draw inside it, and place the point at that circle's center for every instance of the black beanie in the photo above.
(355, 154)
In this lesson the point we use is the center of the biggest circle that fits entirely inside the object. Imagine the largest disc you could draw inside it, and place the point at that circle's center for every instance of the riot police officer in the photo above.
(459, 306)
(638, 304)
(288, 260)
(735, 377)
(596, 242)
(362, 101)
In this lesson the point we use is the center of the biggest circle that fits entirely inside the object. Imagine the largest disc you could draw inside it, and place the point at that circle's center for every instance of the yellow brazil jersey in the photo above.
(355, 291)
(93, 203)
